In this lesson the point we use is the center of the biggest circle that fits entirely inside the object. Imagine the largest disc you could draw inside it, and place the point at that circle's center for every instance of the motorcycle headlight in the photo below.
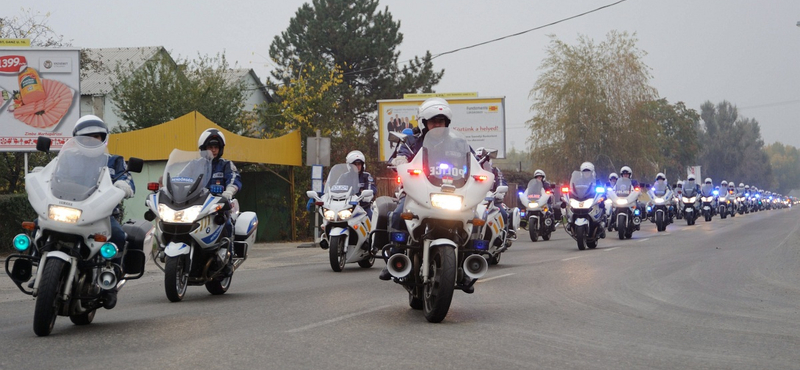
(706, 199)
(533, 205)
(574, 203)
(447, 201)
(329, 215)
(692, 199)
(622, 202)
(187, 215)
(345, 214)
(658, 200)
(64, 214)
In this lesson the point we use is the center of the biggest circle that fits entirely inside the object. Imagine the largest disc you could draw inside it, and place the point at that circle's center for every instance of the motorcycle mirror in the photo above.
(491, 153)
(135, 164)
(43, 144)
(502, 189)
(396, 137)
(312, 194)
(367, 194)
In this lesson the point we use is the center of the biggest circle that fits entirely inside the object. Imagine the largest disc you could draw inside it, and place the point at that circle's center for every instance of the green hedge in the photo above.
(14, 208)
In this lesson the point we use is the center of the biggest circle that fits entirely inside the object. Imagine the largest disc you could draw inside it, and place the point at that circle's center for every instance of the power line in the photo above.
(530, 30)
(771, 104)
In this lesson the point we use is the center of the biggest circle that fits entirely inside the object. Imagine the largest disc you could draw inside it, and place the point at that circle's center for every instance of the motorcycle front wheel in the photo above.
(176, 278)
(580, 236)
(660, 221)
(47, 302)
(438, 293)
(336, 253)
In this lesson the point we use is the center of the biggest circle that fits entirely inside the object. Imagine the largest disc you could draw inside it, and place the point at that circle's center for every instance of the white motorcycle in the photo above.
(347, 229)
(191, 220)
(624, 210)
(444, 184)
(494, 228)
(77, 267)
(586, 219)
(661, 202)
(538, 212)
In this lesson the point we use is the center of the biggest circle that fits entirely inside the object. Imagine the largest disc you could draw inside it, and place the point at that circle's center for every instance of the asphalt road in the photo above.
(719, 295)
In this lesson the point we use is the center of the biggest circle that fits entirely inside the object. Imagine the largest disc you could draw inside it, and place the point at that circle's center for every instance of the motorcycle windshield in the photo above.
(77, 173)
(689, 189)
(707, 190)
(623, 187)
(581, 185)
(534, 190)
(445, 157)
(186, 174)
(342, 180)
(660, 188)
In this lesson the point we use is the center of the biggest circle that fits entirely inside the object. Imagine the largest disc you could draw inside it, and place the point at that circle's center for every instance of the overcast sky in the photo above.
(746, 52)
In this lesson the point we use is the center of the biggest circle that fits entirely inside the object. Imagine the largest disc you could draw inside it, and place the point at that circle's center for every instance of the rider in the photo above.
(662, 179)
(365, 181)
(587, 169)
(93, 126)
(433, 113)
(499, 180)
(612, 180)
(540, 175)
(223, 172)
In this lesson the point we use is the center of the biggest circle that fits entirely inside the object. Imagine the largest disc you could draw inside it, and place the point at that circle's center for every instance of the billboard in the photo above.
(39, 96)
(482, 120)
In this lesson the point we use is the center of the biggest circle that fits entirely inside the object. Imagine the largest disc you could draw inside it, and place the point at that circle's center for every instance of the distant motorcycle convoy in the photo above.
(452, 223)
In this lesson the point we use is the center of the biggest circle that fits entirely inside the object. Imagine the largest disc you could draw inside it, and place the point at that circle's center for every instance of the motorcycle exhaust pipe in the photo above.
(475, 266)
(107, 279)
(399, 265)
(637, 220)
(548, 222)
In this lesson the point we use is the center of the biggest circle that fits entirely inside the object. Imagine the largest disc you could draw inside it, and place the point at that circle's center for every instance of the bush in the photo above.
(14, 208)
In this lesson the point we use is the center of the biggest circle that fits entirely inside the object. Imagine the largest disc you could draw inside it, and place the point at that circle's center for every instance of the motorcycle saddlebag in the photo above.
(139, 234)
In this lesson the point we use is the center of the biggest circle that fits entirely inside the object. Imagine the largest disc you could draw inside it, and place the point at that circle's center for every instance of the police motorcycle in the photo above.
(660, 203)
(77, 268)
(495, 230)
(345, 223)
(624, 211)
(541, 220)
(441, 250)
(707, 196)
(730, 200)
(741, 200)
(689, 202)
(585, 219)
(191, 221)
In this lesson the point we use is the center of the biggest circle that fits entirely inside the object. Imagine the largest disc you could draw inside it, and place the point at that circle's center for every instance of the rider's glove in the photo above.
(229, 192)
(123, 185)
(400, 159)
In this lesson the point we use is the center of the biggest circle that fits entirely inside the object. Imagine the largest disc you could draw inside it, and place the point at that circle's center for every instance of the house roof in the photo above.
(156, 143)
(100, 82)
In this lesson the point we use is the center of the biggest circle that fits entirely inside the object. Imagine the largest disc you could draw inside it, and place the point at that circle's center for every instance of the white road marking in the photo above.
(336, 319)
(492, 278)
(610, 249)
(571, 258)
(644, 240)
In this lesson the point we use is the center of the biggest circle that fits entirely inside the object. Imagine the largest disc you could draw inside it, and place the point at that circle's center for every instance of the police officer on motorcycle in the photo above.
(365, 180)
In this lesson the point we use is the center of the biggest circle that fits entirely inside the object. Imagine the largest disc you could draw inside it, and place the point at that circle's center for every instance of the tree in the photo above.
(162, 90)
(352, 37)
(785, 162)
(585, 102)
(732, 148)
(676, 138)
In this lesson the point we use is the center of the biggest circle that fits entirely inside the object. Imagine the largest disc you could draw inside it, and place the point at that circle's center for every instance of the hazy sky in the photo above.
(746, 52)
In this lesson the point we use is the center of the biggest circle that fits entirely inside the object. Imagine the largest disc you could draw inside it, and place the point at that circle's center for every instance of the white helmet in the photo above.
(625, 169)
(661, 176)
(587, 166)
(707, 180)
(613, 175)
(741, 184)
(723, 183)
(91, 125)
(747, 187)
(355, 156)
(212, 136)
(433, 107)
(731, 185)
(539, 173)
(690, 178)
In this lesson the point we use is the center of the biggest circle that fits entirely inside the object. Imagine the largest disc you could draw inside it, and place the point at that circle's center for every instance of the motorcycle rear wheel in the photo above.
(336, 253)
(47, 302)
(367, 263)
(546, 236)
(438, 293)
(219, 285)
(176, 278)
